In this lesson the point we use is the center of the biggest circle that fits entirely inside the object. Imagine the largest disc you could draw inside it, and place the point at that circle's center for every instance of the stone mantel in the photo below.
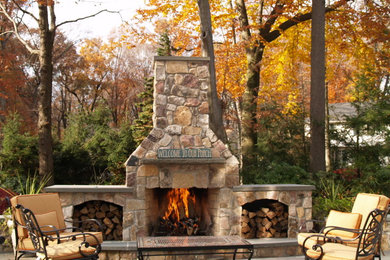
(183, 161)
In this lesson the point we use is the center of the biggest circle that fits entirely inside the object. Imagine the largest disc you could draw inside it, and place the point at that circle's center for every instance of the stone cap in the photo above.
(89, 188)
(274, 187)
(180, 58)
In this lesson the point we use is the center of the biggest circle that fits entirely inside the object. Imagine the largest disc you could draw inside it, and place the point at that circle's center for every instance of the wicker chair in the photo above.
(333, 247)
(75, 247)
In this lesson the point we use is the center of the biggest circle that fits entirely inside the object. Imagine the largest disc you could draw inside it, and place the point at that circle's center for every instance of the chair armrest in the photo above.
(300, 229)
(321, 239)
(336, 228)
(83, 242)
(100, 229)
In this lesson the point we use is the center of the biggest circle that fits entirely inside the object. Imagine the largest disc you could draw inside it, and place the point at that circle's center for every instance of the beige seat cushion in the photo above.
(26, 244)
(48, 211)
(334, 251)
(39, 204)
(47, 221)
(364, 204)
(315, 240)
(310, 242)
(68, 250)
(345, 220)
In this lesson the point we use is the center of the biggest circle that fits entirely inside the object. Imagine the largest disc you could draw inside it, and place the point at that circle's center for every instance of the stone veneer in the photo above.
(181, 121)
(297, 197)
(73, 195)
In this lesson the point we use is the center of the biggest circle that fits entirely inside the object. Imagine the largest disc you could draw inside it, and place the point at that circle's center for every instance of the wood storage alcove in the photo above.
(264, 219)
(108, 214)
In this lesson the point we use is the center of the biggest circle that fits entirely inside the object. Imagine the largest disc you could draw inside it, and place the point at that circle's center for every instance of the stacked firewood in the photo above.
(108, 214)
(269, 221)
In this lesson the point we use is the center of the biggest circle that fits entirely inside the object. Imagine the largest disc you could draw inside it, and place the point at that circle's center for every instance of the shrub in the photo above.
(92, 151)
(18, 155)
(273, 173)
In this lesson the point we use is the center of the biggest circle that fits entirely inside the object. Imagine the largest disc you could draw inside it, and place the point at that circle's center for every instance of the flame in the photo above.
(178, 199)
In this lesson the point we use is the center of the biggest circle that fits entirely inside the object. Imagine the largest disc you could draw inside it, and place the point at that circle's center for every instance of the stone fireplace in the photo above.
(182, 152)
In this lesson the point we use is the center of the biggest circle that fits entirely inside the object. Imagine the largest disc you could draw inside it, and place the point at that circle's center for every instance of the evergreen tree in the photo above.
(18, 153)
(143, 124)
(165, 48)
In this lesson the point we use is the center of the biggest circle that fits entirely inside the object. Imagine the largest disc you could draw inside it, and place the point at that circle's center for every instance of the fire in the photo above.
(178, 204)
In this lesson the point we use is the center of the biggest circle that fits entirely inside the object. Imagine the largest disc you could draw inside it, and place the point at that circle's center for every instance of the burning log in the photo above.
(268, 221)
(179, 218)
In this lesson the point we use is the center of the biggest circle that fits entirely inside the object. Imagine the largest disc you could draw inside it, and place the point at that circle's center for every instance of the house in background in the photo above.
(345, 138)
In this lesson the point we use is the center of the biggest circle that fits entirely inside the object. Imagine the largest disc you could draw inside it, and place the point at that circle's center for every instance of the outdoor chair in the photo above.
(363, 205)
(48, 213)
(75, 247)
(333, 247)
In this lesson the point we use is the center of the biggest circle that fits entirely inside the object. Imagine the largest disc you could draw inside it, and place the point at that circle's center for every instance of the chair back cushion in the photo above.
(345, 220)
(365, 203)
(42, 205)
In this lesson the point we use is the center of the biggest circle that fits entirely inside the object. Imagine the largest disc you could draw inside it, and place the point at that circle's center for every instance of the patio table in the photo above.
(193, 245)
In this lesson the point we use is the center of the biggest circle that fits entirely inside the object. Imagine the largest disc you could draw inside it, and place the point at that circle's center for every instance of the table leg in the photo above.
(250, 253)
(140, 256)
(234, 255)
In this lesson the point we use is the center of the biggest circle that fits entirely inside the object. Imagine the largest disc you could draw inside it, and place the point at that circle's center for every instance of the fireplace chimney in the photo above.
(182, 151)
(181, 134)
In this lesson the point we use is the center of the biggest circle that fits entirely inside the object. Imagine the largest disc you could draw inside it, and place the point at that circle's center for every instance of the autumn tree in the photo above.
(12, 75)
(46, 21)
(259, 25)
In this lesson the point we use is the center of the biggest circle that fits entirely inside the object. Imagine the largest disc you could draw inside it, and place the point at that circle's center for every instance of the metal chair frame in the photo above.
(41, 238)
(368, 238)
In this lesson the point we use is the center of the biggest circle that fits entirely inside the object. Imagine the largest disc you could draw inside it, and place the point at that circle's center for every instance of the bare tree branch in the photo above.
(52, 18)
(24, 11)
(86, 17)
(16, 30)
(243, 18)
(6, 32)
(275, 13)
(270, 36)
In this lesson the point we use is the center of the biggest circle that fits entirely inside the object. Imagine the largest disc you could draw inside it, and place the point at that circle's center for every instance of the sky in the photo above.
(99, 26)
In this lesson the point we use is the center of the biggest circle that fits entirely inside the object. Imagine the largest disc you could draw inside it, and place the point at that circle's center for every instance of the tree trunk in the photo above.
(328, 159)
(249, 101)
(216, 121)
(317, 93)
(45, 144)
(249, 98)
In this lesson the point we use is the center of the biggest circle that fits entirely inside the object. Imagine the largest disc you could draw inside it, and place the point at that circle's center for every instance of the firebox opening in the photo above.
(264, 219)
(181, 212)
(108, 214)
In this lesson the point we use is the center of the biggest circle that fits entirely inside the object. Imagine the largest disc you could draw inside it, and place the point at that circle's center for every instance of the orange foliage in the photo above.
(181, 20)
(353, 35)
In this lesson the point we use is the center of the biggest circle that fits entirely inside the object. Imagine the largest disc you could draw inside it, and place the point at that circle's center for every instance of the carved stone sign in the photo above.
(184, 153)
